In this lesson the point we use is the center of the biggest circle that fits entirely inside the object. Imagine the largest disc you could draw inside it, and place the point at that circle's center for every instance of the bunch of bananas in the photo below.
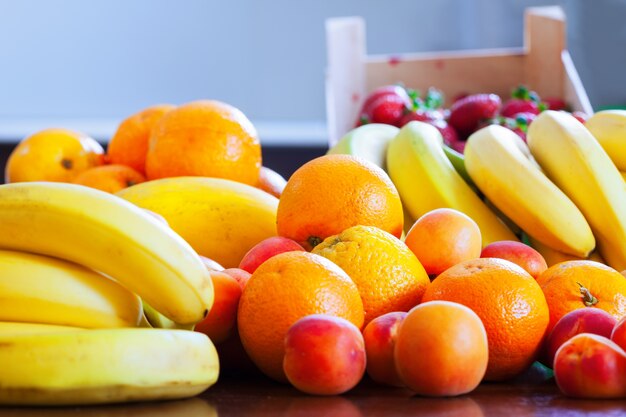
(75, 265)
(563, 190)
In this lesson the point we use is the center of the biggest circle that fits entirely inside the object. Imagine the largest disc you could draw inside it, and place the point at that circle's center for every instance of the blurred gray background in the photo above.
(89, 64)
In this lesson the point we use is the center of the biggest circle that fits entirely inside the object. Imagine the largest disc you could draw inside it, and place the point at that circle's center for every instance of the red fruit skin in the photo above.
(555, 103)
(580, 116)
(265, 249)
(385, 105)
(467, 113)
(584, 320)
(618, 335)
(324, 355)
(518, 253)
(516, 105)
(590, 366)
(380, 339)
(419, 116)
(241, 276)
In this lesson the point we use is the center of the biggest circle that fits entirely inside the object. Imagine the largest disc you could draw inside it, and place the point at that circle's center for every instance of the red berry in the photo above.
(555, 103)
(515, 105)
(467, 113)
(450, 137)
(580, 116)
(419, 116)
(385, 105)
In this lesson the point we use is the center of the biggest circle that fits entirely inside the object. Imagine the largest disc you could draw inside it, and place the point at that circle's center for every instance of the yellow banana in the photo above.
(41, 289)
(523, 193)
(220, 219)
(369, 141)
(107, 234)
(609, 128)
(105, 366)
(577, 164)
(159, 321)
(623, 175)
(553, 256)
(8, 327)
(426, 180)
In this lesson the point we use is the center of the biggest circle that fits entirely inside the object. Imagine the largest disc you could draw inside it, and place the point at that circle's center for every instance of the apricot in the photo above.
(324, 355)
(590, 366)
(265, 249)
(583, 320)
(271, 181)
(518, 253)
(618, 334)
(380, 339)
(221, 321)
(442, 238)
(240, 276)
(109, 178)
(441, 349)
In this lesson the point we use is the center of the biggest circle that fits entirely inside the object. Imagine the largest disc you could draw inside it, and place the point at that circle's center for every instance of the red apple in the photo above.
(591, 366)
(380, 339)
(583, 320)
(324, 355)
(518, 253)
(265, 249)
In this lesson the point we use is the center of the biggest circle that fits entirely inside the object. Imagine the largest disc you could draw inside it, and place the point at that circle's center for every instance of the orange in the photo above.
(578, 284)
(109, 178)
(388, 275)
(53, 155)
(331, 193)
(205, 138)
(442, 238)
(282, 290)
(129, 145)
(510, 304)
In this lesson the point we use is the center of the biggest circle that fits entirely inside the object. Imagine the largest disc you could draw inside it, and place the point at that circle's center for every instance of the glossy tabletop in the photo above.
(257, 396)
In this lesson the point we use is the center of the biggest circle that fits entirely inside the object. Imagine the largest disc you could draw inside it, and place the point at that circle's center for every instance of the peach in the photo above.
(240, 276)
(265, 249)
(582, 320)
(380, 339)
(618, 334)
(271, 181)
(221, 321)
(324, 355)
(441, 349)
(442, 238)
(518, 253)
(590, 366)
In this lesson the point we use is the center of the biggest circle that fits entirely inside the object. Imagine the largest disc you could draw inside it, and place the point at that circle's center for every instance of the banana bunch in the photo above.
(76, 265)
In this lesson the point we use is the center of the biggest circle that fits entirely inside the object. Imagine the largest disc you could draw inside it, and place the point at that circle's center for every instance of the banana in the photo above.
(577, 164)
(220, 219)
(426, 180)
(40, 289)
(8, 327)
(609, 128)
(157, 320)
(553, 256)
(523, 193)
(369, 141)
(105, 366)
(623, 175)
(107, 234)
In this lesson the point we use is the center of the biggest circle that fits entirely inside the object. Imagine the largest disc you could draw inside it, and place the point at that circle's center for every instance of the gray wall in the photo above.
(109, 58)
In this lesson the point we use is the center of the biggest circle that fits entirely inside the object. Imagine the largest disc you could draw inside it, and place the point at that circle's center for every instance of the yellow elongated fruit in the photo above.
(41, 289)
(107, 234)
(159, 321)
(426, 180)
(553, 256)
(523, 193)
(609, 128)
(105, 366)
(220, 219)
(15, 327)
(574, 160)
(369, 142)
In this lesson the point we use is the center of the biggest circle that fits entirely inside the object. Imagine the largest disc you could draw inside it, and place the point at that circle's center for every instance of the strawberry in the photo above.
(580, 116)
(467, 113)
(554, 103)
(522, 101)
(450, 137)
(385, 105)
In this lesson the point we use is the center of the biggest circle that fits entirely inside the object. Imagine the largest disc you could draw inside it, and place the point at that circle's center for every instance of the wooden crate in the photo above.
(543, 64)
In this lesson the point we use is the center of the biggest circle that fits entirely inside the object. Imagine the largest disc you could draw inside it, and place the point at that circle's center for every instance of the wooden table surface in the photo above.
(262, 397)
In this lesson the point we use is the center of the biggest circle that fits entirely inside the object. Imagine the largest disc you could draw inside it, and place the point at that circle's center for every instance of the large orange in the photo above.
(282, 290)
(331, 193)
(387, 273)
(510, 304)
(129, 144)
(205, 138)
(53, 155)
(578, 284)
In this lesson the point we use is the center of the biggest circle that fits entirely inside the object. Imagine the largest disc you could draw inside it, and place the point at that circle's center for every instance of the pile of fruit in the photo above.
(142, 272)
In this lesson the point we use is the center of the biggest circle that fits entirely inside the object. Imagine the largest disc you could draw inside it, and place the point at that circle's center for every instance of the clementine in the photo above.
(53, 155)
(388, 275)
(109, 178)
(282, 290)
(205, 138)
(331, 193)
(510, 304)
(129, 144)
(578, 284)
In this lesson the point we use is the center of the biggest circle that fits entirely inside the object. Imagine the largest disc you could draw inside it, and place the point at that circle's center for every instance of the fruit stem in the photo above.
(588, 298)
(314, 241)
